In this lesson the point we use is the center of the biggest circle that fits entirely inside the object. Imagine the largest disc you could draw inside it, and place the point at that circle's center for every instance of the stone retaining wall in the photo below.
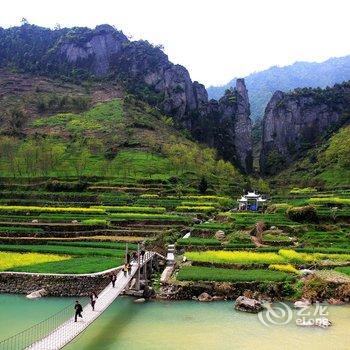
(56, 285)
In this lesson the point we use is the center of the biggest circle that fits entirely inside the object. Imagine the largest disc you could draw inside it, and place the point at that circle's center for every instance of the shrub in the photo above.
(275, 238)
(302, 214)
(277, 208)
(59, 186)
(149, 196)
(284, 268)
(305, 190)
(94, 222)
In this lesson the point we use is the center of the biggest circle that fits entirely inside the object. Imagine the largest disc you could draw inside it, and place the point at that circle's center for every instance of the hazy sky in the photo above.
(215, 40)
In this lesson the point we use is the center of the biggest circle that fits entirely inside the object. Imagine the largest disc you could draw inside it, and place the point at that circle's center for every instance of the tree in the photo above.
(80, 156)
(16, 121)
(203, 185)
(8, 151)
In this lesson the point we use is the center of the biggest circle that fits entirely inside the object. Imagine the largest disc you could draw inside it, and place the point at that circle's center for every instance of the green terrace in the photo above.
(83, 257)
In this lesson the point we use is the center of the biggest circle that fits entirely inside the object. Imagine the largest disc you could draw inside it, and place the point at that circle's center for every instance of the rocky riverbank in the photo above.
(313, 288)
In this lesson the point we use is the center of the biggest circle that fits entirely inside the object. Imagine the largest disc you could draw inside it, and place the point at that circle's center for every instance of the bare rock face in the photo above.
(226, 126)
(295, 121)
(97, 52)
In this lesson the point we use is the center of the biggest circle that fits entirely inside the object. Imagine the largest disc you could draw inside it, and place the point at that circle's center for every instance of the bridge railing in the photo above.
(38, 331)
(26, 338)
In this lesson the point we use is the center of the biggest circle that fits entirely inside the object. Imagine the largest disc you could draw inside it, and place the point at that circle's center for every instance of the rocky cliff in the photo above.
(226, 126)
(296, 121)
(144, 70)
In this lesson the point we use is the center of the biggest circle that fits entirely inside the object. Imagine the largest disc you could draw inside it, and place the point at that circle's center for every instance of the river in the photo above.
(179, 325)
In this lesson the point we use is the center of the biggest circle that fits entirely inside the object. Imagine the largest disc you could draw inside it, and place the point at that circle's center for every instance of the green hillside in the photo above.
(327, 165)
(55, 129)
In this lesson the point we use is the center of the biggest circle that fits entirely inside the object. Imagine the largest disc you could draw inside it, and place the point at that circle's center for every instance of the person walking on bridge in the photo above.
(78, 310)
(93, 298)
(125, 269)
(113, 279)
(142, 255)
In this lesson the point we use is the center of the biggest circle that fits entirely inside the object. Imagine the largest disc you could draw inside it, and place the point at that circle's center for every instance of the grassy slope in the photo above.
(113, 126)
(319, 169)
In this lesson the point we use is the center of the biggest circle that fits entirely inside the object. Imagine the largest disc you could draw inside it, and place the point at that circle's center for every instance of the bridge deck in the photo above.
(67, 331)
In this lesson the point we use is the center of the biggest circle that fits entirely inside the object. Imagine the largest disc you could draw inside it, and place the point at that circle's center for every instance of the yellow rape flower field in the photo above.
(10, 260)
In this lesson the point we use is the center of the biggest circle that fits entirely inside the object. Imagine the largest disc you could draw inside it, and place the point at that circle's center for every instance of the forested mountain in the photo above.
(262, 85)
(106, 54)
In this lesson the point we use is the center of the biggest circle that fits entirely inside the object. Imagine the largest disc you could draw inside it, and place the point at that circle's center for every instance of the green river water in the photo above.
(178, 326)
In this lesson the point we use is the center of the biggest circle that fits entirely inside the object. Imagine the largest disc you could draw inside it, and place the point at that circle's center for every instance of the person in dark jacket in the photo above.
(78, 310)
(113, 279)
(128, 258)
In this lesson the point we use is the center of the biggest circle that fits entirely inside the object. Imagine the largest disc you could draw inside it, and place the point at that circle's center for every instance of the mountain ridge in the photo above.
(262, 84)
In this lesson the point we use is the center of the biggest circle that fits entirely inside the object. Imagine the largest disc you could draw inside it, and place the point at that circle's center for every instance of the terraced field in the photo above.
(91, 226)
(286, 245)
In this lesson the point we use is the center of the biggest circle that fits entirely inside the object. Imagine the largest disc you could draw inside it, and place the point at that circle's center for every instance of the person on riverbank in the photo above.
(93, 299)
(113, 279)
(78, 310)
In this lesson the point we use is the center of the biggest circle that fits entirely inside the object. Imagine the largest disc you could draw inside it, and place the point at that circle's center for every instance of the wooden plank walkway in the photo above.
(66, 332)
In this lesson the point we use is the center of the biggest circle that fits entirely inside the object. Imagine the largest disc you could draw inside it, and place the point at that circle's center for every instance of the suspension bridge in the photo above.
(60, 329)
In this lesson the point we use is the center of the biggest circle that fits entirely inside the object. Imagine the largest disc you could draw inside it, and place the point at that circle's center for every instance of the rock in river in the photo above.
(205, 297)
(248, 305)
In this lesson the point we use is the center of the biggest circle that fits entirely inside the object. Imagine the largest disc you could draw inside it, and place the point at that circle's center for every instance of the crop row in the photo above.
(198, 273)
(10, 260)
(131, 209)
(330, 201)
(63, 249)
(283, 256)
(195, 209)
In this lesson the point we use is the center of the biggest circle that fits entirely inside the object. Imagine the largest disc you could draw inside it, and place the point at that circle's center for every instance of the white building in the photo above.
(251, 201)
